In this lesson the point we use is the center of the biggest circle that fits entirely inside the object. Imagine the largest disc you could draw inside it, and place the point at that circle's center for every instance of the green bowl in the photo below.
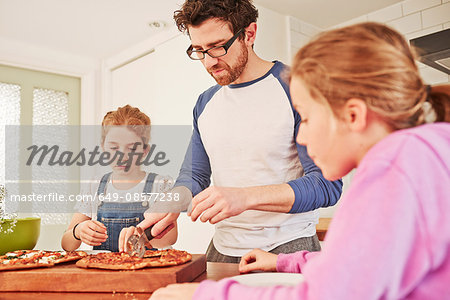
(23, 237)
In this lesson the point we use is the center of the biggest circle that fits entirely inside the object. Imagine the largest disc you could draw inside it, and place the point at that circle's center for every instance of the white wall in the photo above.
(165, 84)
(272, 37)
(415, 18)
(300, 33)
(412, 18)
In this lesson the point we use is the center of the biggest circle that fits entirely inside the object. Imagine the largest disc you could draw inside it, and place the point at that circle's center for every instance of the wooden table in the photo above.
(214, 271)
(322, 228)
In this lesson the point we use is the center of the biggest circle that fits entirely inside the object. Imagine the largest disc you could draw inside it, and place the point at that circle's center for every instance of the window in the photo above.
(29, 97)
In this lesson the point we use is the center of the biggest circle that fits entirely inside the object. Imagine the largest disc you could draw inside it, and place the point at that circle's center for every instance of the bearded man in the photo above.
(266, 188)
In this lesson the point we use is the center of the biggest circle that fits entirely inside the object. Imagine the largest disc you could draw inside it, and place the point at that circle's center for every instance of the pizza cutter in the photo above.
(136, 243)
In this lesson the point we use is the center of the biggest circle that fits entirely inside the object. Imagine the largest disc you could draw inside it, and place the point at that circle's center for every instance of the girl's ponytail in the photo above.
(439, 98)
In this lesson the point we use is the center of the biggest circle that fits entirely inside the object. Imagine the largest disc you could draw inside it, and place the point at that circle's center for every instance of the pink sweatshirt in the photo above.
(390, 237)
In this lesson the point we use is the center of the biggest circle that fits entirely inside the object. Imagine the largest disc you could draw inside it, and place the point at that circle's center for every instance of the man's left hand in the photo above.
(215, 204)
(175, 291)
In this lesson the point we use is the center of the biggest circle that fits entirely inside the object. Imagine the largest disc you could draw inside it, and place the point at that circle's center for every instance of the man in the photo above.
(244, 136)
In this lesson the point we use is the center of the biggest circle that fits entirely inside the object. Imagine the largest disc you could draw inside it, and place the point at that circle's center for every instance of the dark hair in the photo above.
(372, 62)
(237, 13)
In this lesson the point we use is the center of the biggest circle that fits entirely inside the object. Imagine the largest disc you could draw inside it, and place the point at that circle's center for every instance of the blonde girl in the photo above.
(364, 105)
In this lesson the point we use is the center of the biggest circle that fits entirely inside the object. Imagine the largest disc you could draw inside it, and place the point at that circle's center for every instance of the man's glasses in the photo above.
(214, 52)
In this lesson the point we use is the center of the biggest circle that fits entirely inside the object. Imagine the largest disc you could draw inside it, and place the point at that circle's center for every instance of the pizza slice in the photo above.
(123, 261)
(58, 257)
(112, 261)
(27, 259)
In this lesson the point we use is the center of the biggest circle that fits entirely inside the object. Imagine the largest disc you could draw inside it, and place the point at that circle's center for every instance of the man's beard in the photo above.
(231, 74)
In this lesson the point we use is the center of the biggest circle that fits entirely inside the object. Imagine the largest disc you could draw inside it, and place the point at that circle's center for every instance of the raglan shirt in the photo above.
(244, 135)
(389, 238)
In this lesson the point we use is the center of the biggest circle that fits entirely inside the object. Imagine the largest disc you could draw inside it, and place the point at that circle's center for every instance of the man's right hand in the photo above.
(161, 221)
(165, 213)
(164, 222)
(91, 232)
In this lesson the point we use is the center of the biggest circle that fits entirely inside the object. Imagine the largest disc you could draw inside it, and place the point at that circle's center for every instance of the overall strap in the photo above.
(149, 183)
(103, 182)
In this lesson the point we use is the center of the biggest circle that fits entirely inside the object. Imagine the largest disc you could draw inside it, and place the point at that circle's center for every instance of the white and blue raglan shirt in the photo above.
(244, 135)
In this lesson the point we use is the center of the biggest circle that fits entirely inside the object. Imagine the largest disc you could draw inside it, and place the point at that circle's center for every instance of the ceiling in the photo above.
(325, 13)
(101, 28)
(94, 28)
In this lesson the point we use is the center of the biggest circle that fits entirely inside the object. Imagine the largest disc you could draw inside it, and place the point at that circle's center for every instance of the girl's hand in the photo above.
(127, 232)
(91, 232)
(260, 260)
(175, 292)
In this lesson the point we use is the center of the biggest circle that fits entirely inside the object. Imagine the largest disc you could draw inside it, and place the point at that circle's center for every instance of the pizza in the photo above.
(28, 259)
(123, 261)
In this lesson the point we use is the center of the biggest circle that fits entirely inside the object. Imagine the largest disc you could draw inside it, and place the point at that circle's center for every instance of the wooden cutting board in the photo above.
(69, 278)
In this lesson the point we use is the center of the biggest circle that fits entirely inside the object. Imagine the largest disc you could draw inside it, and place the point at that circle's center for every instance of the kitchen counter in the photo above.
(214, 271)
(322, 228)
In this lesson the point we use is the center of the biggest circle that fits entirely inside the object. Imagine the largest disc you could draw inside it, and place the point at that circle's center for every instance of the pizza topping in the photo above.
(47, 259)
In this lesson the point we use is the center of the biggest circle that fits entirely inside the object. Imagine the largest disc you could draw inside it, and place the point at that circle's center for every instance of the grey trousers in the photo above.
(305, 243)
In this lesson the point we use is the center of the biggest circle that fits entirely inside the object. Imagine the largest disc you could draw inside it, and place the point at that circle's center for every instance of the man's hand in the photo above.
(163, 224)
(258, 260)
(91, 232)
(175, 292)
(215, 204)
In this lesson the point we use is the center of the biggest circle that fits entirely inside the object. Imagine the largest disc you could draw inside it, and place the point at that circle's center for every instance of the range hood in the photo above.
(434, 50)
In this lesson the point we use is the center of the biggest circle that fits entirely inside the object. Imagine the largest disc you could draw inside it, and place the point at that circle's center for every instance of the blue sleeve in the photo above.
(312, 190)
(195, 173)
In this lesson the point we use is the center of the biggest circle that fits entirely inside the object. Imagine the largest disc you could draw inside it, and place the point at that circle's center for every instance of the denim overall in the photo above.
(116, 216)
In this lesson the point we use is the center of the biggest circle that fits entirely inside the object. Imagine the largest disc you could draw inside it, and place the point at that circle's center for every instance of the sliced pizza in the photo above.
(28, 259)
(123, 261)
